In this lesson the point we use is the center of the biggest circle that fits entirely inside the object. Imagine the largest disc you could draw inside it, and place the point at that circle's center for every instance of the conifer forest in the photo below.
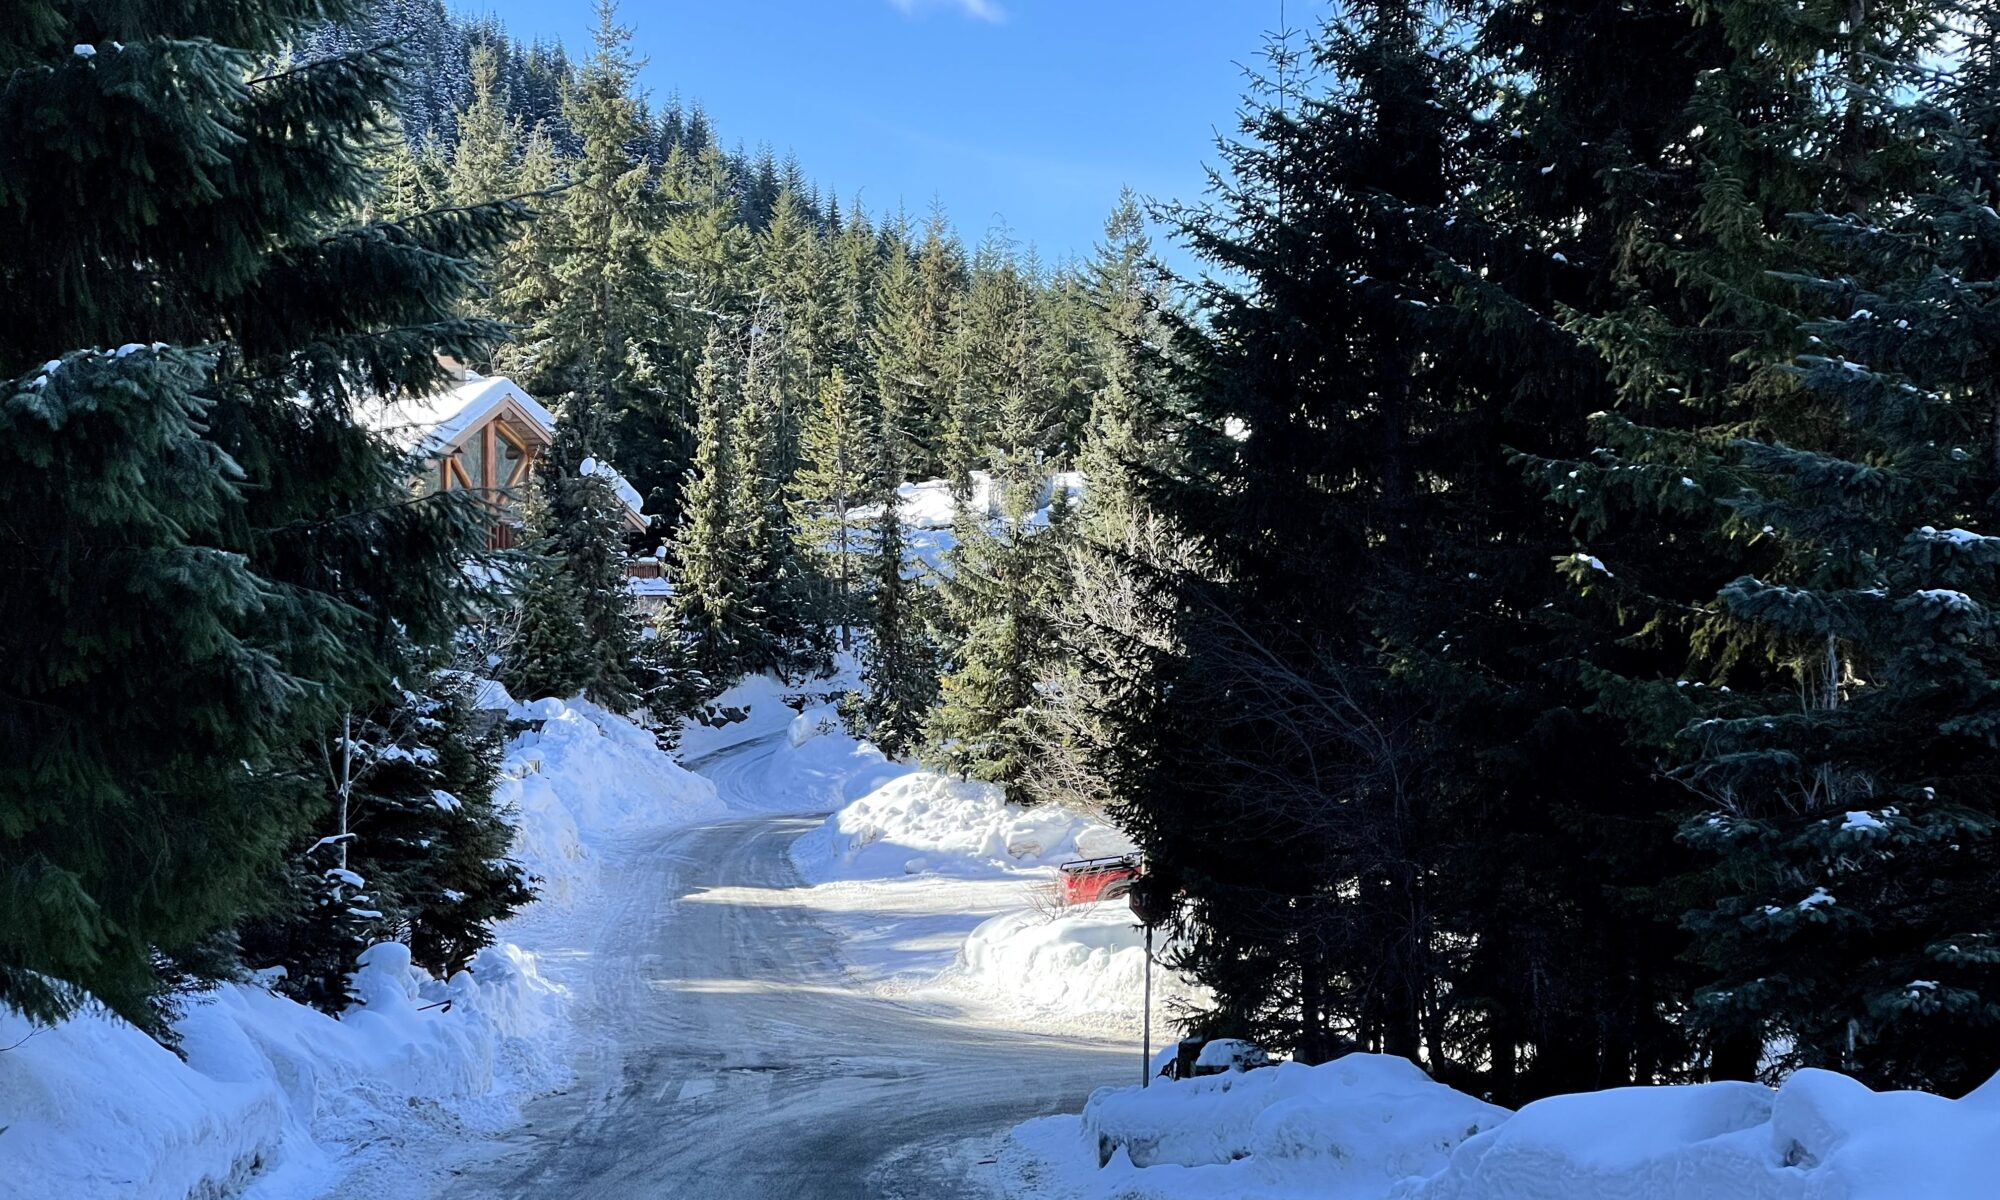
(1508, 575)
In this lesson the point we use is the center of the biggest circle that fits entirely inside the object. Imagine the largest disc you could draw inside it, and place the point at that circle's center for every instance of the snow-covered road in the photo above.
(725, 1050)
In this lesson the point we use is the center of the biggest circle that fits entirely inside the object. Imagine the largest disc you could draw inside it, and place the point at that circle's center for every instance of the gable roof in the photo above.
(437, 424)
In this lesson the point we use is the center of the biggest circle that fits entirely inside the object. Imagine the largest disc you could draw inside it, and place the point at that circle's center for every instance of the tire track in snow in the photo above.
(724, 1053)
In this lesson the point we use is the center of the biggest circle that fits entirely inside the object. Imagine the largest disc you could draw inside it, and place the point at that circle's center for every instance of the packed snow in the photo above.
(1369, 1127)
(272, 1095)
(968, 886)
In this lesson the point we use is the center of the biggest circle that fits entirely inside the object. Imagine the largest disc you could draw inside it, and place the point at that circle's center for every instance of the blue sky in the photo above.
(1031, 112)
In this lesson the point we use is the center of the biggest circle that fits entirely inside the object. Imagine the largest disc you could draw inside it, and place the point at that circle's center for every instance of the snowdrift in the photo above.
(1819, 1136)
(924, 822)
(586, 773)
(94, 1108)
(1083, 962)
(1368, 1127)
(272, 1093)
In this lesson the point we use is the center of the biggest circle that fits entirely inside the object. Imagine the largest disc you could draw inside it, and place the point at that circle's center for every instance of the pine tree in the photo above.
(1115, 624)
(1699, 343)
(774, 574)
(995, 604)
(408, 847)
(831, 484)
(216, 515)
(546, 653)
(593, 547)
(709, 589)
(481, 159)
(899, 667)
(910, 339)
(593, 312)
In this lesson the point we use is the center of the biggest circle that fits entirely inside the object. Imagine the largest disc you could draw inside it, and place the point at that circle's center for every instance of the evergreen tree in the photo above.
(898, 662)
(710, 593)
(216, 515)
(831, 483)
(774, 576)
(910, 339)
(546, 653)
(995, 604)
(409, 848)
(481, 159)
(593, 313)
(1853, 911)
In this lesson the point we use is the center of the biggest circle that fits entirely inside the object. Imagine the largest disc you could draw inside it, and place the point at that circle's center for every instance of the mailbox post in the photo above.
(1150, 906)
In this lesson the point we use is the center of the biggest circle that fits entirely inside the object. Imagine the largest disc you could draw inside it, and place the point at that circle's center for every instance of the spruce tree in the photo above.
(899, 665)
(994, 612)
(710, 594)
(546, 652)
(774, 572)
(1853, 912)
(832, 482)
(216, 515)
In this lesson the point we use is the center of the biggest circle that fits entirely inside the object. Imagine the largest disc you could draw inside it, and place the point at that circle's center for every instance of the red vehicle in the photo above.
(1088, 880)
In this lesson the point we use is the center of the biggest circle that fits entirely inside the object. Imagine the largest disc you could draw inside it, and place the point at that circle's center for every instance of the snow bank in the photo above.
(1089, 961)
(1820, 1136)
(760, 701)
(273, 1095)
(94, 1108)
(585, 773)
(1368, 1127)
(925, 822)
(1359, 1122)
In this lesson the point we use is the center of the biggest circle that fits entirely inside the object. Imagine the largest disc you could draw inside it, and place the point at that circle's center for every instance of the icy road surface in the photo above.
(725, 1052)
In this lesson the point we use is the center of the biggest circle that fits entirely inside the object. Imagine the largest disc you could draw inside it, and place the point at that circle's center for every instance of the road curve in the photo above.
(727, 1054)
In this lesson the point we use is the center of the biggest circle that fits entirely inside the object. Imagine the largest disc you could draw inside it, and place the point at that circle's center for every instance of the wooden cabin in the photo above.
(485, 434)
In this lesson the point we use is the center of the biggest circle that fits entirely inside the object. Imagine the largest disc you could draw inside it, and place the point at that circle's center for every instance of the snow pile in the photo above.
(752, 708)
(276, 1099)
(1356, 1124)
(1370, 1127)
(1087, 961)
(925, 822)
(94, 1108)
(584, 773)
(1819, 1136)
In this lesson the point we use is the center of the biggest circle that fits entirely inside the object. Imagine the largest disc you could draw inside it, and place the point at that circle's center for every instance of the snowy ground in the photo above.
(1368, 1127)
(729, 1043)
(276, 1101)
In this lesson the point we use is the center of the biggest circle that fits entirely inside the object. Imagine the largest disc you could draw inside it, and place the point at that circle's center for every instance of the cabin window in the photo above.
(473, 458)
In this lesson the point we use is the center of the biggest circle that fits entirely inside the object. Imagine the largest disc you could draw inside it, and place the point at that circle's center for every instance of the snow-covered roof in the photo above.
(626, 492)
(436, 424)
(438, 421)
